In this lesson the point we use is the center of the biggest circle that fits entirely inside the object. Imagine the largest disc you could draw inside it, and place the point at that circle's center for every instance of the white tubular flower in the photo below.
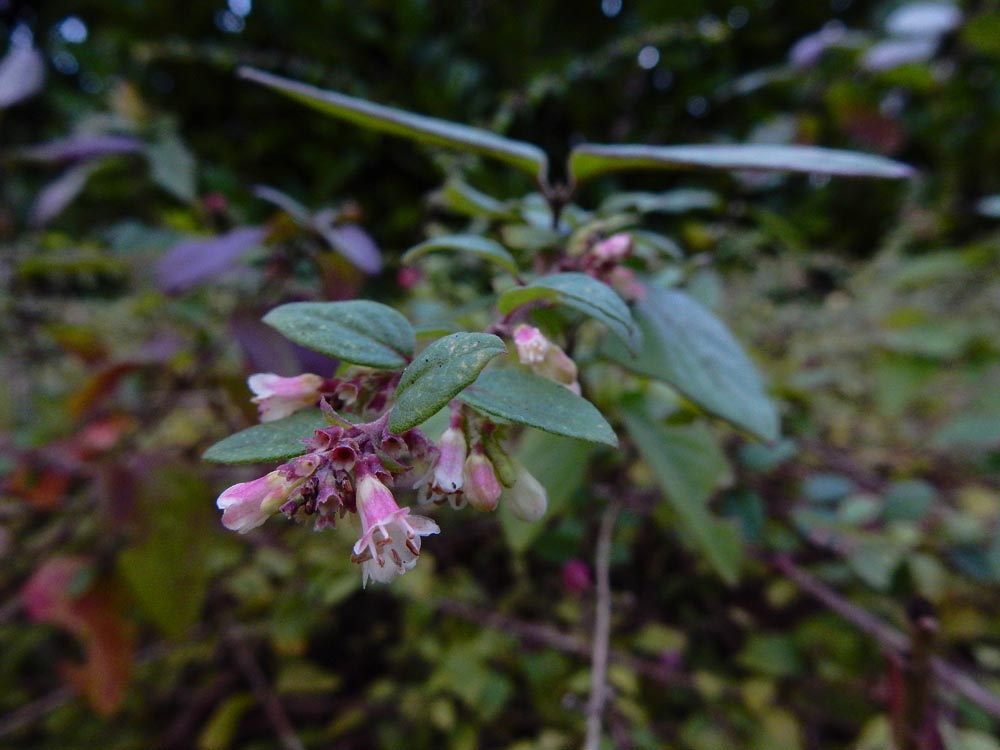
(390, 537)
(527, 499)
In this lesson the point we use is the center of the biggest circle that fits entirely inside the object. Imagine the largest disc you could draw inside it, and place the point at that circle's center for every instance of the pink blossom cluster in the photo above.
(345, 471)
(349, 469)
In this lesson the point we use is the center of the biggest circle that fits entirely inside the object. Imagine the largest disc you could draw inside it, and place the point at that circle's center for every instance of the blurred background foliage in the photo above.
(872, 309)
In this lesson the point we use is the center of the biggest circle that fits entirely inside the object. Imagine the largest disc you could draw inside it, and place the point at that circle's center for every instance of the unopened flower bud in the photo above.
(527, 499)
(482, 488)
(448, 471)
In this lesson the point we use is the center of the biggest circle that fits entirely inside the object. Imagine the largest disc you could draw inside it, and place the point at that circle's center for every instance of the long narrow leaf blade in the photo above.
(419, 128)
(591, 160)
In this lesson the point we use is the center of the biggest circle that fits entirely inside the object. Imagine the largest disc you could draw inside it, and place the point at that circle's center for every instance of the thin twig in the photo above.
(602, 629)
(947, 675)
(273, 709)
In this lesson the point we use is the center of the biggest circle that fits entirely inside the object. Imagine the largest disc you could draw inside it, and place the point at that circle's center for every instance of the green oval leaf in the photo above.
(466, 243)
(269, 441)
(524, 156)
(521, 397)
(692, 350)
(591, 160)
(583, 293)
(359, 331)
(688, 465)
(439, 373)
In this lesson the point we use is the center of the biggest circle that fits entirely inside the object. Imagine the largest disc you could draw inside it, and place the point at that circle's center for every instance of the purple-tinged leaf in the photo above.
(81, 148)
(22, 73)
(58, 194)
(895, 52)
(923, 19)
(351, 241)
(194, 261)
(264, 349)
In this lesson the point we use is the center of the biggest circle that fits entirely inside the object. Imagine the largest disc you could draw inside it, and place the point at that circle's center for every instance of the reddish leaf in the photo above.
(51, 595)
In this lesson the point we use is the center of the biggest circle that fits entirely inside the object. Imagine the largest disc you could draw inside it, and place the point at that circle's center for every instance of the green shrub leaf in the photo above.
(583, 293)
(269, 441)
(688, 466)
(692, 350)
(524, 156)
(359, 331)
(466, 243)
(591, 160)
(518, 396)
(439, 373)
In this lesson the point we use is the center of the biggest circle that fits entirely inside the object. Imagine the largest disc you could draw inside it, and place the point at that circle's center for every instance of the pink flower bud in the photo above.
(482, 489)
(448, 470)
(527, 499)
(277, 397)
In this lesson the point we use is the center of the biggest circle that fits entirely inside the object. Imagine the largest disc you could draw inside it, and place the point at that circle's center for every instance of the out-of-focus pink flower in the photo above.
(277, 397)
(576, 576)
(482, 488)
(613, 250)
(247, 505)
(390, 536)
(545, 358)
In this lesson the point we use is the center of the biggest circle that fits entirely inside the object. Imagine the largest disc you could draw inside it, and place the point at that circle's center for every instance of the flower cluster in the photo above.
(349, 468)
(344, 471)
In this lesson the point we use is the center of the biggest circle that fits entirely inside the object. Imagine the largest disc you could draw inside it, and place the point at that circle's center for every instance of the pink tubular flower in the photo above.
(278, 397)
(390, 536)
(545, 358)
(247, 505)
(482, 488)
